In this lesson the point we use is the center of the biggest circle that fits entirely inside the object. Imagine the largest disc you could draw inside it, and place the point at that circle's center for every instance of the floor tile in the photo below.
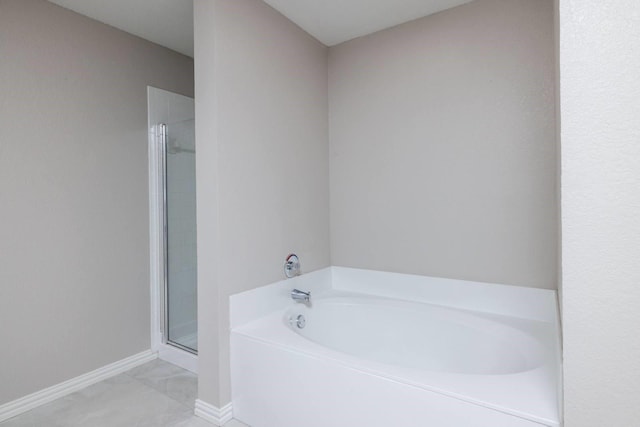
(175, 382)
(235, 423)
(194, 421)
(118, 401)
(156, 394)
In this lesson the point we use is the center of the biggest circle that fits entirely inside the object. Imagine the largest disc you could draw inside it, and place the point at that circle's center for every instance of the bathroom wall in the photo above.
(74, 239)
(600, 104)
(262, 168)
(443, 153)
(556, 36)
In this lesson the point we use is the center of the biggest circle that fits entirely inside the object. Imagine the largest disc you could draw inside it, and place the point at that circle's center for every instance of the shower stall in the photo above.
(173, 227)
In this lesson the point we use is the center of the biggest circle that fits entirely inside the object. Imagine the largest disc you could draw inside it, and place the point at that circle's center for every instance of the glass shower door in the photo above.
(180, 233)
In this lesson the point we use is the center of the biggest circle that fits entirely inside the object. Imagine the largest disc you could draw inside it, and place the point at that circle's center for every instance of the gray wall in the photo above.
(74, 243)
(262, 167)
(600, 98)
(443, 153)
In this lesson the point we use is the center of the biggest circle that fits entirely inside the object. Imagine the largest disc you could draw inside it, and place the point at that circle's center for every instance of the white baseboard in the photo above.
(178, 357)
(26, 403)
(217, 416)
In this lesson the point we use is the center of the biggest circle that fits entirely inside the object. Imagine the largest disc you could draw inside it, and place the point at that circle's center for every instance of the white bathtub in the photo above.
(413, 352)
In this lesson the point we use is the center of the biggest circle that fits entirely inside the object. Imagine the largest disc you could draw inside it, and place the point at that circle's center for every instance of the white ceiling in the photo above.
(336, 21)
(170, 22)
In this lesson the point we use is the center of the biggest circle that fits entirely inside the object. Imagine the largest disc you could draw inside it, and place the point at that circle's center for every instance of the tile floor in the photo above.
(156, 394)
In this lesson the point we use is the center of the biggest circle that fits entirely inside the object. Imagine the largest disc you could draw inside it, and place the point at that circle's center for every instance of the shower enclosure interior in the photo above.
(173, 223)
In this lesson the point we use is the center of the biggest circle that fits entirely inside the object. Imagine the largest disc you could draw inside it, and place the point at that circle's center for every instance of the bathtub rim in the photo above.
(501, 299)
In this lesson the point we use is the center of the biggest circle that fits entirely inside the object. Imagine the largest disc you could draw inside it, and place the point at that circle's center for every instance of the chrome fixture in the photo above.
(291, 265)
(300, 296)
(299, 321)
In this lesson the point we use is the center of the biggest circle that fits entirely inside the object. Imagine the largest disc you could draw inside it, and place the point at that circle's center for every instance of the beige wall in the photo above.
(74, 243)
(207, 201)
(556, 46)
(262, 171)
(443, 153)
(600, 99)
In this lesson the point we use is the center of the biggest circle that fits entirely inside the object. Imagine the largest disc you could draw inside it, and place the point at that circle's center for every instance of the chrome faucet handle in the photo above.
(291, 265)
